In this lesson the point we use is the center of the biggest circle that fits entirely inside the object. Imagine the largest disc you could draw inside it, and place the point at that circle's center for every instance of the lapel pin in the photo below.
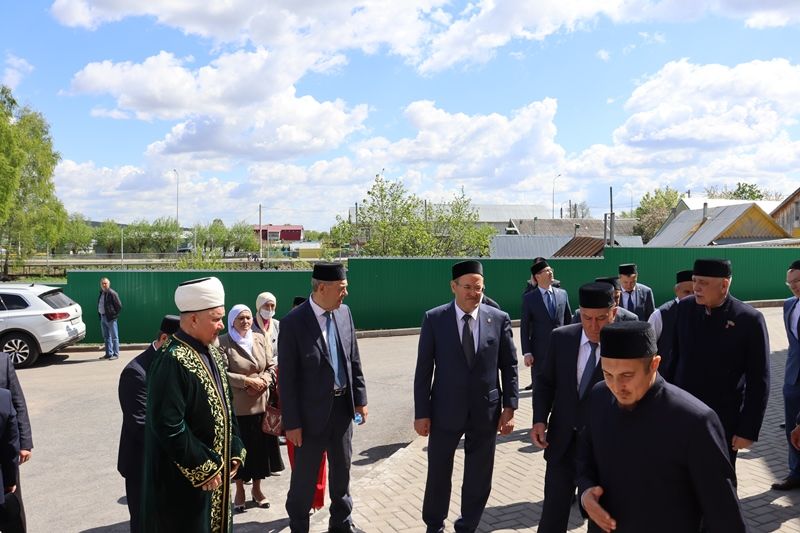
(489, 320)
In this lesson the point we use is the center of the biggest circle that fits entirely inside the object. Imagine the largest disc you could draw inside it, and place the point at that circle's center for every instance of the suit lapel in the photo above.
(313, 326)
(574, 351)
(788, 318)
(344, 333)
(484, 323)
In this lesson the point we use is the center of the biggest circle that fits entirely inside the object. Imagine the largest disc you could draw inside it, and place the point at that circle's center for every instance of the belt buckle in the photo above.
(339, 392)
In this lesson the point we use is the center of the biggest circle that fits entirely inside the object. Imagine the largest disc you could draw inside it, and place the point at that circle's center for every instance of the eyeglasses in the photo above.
(471, 288)
(793, 282)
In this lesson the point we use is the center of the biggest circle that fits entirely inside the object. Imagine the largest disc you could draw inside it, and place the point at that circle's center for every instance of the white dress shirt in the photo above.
(583, 356)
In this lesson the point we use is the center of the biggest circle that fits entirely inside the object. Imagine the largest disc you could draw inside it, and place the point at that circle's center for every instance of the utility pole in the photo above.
(260, 236)
(177, 199)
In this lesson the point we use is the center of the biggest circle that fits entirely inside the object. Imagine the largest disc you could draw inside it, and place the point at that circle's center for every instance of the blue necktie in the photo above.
(333, 350)
(588, 371)
(550, 306)
(631, 307)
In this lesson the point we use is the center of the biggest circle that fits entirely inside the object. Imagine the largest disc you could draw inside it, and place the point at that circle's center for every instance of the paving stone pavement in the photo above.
(389, 498)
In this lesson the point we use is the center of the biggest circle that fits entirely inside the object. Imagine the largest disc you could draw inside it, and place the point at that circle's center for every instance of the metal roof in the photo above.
(729, 222)
(582, 247)
(697, 203)
(525, 246)
(565, 227)
(500, 213)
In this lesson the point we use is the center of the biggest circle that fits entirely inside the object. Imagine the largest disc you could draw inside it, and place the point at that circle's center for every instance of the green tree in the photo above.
(108, 236)
(743, 191)
(456, 226)
(11, 154)
(138, 236)
(653, 210)
(200, 237)
(242, 237)
(217, 235)
(165, 235)
(393, 222)
(34, 217)
(77, 234)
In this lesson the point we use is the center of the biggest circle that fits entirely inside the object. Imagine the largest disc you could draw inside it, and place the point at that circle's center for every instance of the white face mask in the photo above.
(266, 314)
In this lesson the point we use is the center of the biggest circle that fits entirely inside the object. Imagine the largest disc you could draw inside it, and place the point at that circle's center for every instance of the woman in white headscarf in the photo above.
(266, 323)
(251, 372)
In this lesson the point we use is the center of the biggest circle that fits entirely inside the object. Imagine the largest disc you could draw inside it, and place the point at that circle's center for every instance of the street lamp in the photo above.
(553, 215)
(177, 199)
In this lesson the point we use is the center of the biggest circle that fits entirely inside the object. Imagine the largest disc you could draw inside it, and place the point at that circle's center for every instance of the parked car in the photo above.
(37, 319)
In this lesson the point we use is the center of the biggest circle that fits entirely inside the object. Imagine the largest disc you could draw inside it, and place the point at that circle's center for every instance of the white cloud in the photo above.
(16, 68)
(603, 55)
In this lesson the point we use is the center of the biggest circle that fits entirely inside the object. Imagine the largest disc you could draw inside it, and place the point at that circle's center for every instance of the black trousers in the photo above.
(336, 439)
(479, 447)
(12, 514)
(559, 488)
(133, 493)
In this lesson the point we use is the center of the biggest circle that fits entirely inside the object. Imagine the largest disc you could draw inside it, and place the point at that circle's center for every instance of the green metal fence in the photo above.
(394, 293)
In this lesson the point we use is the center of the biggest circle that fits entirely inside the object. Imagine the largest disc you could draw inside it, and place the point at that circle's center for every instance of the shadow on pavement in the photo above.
(121, 527)
(376, 453)
(521, 514)
(263, 527)
(59, 359)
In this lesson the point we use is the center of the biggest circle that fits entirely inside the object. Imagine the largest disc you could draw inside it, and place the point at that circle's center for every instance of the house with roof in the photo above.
(787, 214)
(733, 224)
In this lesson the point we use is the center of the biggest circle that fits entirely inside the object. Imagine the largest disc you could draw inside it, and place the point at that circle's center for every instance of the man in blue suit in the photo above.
(132, 392)
(322, 388)
(544, 308)
(636, 297)
(559, 401)
(465, 384)
(791, 376)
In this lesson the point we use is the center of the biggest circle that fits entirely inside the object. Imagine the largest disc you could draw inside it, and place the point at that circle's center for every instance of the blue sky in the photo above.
(298, 105)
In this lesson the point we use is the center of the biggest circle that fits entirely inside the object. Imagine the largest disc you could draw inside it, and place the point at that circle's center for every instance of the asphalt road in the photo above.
(71, 483)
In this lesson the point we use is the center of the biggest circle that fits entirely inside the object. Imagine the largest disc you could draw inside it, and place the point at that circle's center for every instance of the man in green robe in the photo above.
(192, 447)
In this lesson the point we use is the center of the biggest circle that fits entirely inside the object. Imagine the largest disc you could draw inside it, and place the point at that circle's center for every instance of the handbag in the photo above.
(272, 423)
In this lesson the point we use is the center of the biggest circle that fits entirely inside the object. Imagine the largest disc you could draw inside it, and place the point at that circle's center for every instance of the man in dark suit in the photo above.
(720, 354)
(621, 314)
(9, 466)
(465, 384)
(559, 400)
(8, 380)
(652, 458)
(132, 393)
(663, 318)
(322, 387)
(791, 376)
(543, 309)
(636, 297)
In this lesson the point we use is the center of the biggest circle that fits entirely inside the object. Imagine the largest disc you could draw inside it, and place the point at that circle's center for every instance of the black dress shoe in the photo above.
(344, 528)
(790, 483)
(529, 387)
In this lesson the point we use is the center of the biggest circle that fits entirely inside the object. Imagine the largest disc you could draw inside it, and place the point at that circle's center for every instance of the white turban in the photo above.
(199, 295)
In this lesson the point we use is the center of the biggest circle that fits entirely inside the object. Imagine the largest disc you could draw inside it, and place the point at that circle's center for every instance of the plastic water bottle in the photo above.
(358, 419)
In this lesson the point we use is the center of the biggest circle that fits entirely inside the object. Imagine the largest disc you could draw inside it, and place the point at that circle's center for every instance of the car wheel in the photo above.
(21, 348)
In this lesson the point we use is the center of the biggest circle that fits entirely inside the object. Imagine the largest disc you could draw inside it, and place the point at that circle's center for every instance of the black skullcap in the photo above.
(170, 324)
(596, 296)
(613, 280)
(329, 272)
(538, 266)
(298, 300)
(684, 275)
(467, 267)
(629, 339)
(795, 265)
(627, 269)
(713, 268)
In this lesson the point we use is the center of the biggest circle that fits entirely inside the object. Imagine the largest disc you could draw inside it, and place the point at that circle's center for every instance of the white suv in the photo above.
(36, 319)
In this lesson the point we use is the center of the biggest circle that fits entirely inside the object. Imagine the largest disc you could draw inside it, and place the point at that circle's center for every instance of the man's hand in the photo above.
(235, 464)
(590, 499)
(738, 443)
(295, 436)
(24, 456)
(363, 410)
(422, 426)
(795, 437)
(539, 435)
(528, 359)
(506, 423)
(11, 489)
(213, 484)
